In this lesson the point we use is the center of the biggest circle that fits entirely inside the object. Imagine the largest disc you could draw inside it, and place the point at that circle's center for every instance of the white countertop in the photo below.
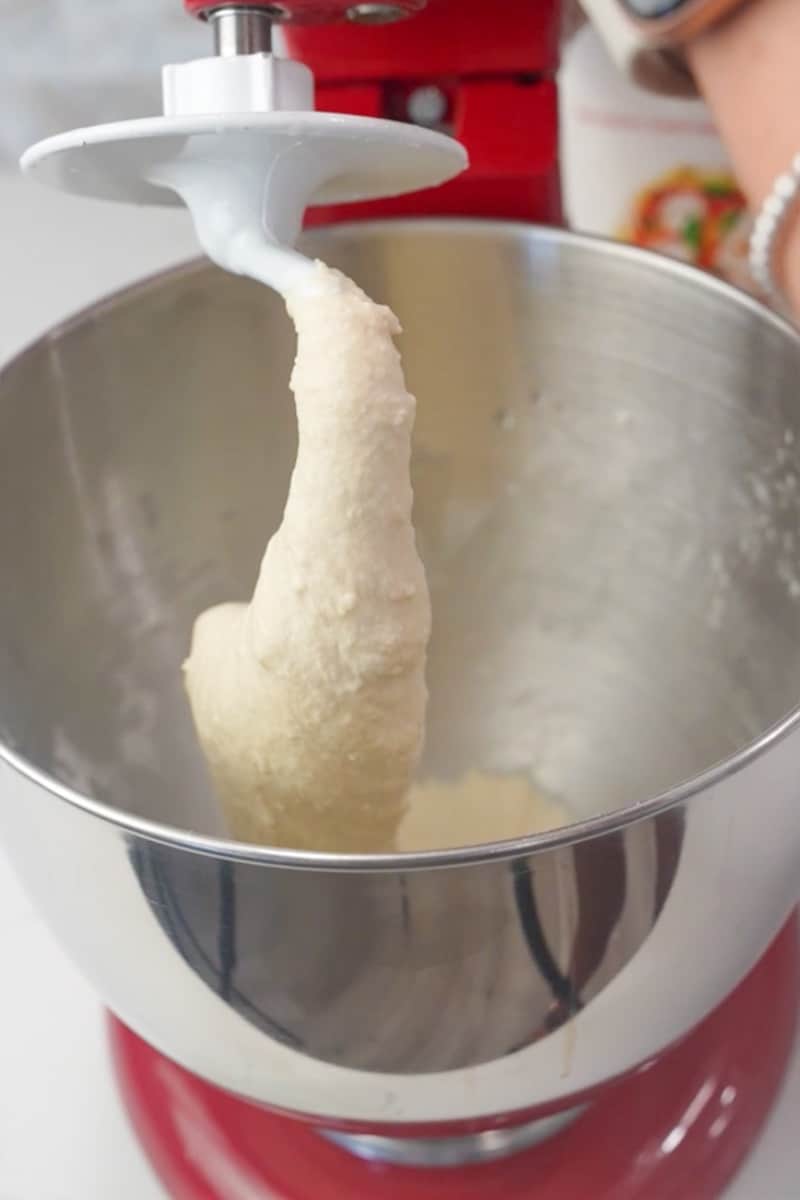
(63, 1135)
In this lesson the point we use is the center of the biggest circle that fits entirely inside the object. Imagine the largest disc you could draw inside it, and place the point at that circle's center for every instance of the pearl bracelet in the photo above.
(767, 228)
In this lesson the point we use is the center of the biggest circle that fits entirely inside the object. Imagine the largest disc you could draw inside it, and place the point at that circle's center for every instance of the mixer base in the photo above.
(679, 1128)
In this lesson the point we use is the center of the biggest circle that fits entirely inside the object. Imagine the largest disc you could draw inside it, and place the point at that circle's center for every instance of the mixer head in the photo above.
(240, 128)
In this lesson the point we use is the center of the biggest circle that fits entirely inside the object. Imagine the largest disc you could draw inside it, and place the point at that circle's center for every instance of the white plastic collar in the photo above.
(243, 83)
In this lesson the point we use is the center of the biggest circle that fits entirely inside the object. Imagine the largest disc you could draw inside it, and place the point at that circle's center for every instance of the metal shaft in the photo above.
(241, 30)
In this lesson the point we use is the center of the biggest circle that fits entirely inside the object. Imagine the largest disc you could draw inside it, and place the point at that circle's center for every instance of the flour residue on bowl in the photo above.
(476, 809)
(767, 502)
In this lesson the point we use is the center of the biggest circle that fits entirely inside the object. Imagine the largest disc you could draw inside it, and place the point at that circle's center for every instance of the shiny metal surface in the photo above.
(241, 30)
(606, 474)
(470, 1148)
(376, 14)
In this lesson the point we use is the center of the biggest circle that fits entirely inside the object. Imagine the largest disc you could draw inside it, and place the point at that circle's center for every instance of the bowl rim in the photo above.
(533, 844)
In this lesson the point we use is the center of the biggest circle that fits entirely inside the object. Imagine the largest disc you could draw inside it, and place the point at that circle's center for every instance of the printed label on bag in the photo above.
(697, 216)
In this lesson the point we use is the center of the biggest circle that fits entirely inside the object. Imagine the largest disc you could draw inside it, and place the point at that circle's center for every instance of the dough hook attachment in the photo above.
(240, 144)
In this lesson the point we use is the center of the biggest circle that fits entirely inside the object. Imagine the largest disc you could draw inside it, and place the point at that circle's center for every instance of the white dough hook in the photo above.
(241, 145)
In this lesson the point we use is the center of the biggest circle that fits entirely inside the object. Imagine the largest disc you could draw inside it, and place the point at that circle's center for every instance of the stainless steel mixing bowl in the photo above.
(607, 475)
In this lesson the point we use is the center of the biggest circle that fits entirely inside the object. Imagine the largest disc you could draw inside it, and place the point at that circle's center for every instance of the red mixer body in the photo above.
(494, 76)
(677, 1129)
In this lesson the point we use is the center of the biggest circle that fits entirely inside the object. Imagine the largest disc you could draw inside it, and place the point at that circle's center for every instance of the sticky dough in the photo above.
(309, 702)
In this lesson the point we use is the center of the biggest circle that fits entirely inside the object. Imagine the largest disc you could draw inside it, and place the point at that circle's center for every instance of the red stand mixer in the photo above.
(674, 1123)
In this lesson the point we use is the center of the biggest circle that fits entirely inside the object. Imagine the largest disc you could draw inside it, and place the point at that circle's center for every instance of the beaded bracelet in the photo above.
(768, 226)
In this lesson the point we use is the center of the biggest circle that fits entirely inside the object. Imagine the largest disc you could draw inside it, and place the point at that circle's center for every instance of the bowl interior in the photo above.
(606, 468)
